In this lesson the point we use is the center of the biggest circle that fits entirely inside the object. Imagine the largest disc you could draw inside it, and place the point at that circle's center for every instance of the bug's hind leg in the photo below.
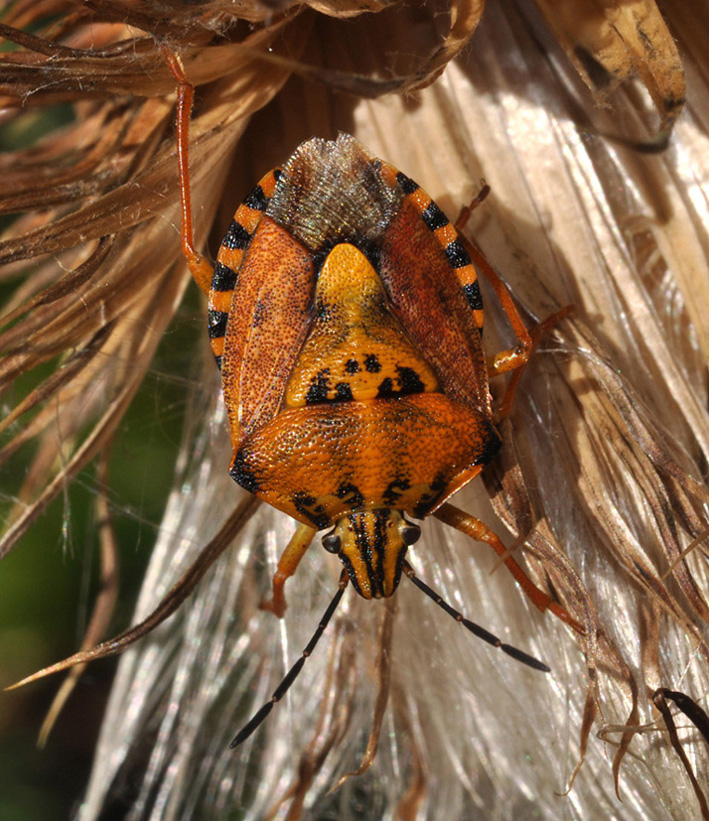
(200, 267)
(516, 358)
(287, 565)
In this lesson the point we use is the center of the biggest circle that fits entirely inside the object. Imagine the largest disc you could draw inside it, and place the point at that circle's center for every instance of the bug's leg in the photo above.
(536, 333)
(287, 565)
(512, 359)
(200, 267)
(170, 602)
(467, 210)
(481, 532)
(517, 356)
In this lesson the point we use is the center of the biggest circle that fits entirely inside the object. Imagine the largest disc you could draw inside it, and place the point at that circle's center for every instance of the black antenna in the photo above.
(480, 632)
(292, 674)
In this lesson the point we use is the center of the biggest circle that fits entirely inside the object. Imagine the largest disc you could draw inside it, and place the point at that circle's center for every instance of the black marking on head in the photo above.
(372, 364)
(218, 360)
(309, 507)
(386, 389)
(409, 381)
(348, 489)
(236, 237)
(352, 366)
(216, 323)
(380, 541)
(407, 185)
(277, 174)
(343, 392)
(400, 559)
(319, 388)
(372, 550)
(224, 278)
(434, 217)
(493, 444)
(393, 491)
(457, 255)
(350, 572)
(242, 474)
(257, 199)
(473, 295)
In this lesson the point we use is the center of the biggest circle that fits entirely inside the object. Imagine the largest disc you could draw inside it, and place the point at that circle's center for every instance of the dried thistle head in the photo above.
(601, 476)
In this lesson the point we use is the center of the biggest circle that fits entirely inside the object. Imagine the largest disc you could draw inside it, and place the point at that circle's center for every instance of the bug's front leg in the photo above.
(200, 267)
(287, 565)
(479, 531)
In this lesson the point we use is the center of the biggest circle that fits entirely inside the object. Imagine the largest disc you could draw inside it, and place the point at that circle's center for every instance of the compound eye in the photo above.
(332, 542)
(410, 533)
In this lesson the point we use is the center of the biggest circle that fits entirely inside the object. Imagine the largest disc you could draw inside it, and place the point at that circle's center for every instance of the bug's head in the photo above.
(372, 545)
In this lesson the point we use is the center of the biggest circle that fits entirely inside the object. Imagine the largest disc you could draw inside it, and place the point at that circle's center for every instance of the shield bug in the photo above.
(345, 316)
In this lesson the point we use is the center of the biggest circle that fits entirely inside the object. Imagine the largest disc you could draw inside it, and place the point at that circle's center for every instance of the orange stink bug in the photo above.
(345, 316)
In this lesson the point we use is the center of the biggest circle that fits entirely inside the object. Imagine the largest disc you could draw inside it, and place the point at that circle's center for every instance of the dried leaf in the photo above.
(610, 41)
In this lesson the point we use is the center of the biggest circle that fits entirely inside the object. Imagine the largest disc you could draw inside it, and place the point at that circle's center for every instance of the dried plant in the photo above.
(600, 484)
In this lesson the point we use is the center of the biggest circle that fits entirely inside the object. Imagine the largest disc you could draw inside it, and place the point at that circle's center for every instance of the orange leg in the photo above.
(537, 332)
(467, 210)
(481, 532)
(513, 359)
(485, 268)
(200, 267)
(287, 565)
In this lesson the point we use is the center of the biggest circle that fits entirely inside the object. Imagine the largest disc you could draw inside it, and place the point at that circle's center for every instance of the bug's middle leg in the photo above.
(516, 359)
(287, 565)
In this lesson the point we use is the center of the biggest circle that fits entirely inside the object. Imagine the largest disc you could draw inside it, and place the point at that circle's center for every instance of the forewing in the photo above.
(268, 320)
(427, 297)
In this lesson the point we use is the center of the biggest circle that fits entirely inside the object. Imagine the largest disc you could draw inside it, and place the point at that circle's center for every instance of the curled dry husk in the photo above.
(600, 482)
